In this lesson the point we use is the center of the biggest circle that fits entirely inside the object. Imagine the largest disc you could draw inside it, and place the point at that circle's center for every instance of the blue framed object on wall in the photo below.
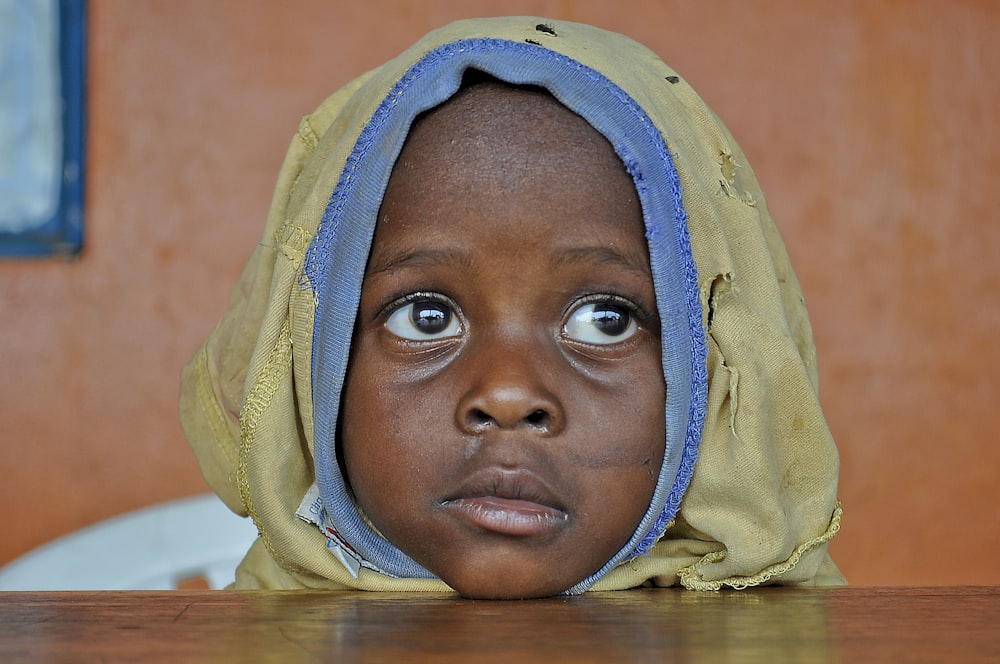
(42, 126)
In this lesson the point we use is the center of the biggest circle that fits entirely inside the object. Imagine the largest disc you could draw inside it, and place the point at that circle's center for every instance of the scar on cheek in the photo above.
(613, 458)
(648, 466)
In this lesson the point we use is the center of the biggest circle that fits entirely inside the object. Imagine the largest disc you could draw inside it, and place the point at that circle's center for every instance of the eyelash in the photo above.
(643, 316)
(403, 298)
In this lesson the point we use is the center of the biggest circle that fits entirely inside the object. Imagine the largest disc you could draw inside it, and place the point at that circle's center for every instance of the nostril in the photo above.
(538, 419)
(478, 419)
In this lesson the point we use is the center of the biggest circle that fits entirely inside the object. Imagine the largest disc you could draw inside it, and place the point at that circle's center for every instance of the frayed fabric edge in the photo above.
(692, 579)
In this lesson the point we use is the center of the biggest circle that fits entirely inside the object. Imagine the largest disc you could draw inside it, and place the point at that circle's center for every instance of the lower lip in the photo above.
(508, 516)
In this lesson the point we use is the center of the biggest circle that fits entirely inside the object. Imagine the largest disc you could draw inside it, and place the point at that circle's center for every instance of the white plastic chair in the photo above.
(153, 548)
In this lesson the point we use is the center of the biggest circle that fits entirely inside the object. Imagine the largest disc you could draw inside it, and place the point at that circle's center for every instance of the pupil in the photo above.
(610, 320)
(430, 317)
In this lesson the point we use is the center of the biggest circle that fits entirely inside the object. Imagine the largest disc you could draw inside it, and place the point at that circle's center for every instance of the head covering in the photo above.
(747, 489)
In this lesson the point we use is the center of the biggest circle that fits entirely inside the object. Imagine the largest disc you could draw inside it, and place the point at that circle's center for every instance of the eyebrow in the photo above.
(603, 256)
(422, 257)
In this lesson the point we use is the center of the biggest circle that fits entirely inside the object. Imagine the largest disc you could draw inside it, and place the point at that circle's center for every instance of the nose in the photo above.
(509, 391)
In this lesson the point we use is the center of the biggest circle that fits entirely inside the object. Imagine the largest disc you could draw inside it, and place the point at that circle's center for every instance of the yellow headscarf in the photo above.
(761, 503)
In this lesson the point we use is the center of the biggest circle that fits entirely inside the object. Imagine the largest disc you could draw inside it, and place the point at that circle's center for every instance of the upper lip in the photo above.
(509, 483)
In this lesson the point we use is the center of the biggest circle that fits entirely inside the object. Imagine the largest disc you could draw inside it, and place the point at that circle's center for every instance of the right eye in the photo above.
(423, 319)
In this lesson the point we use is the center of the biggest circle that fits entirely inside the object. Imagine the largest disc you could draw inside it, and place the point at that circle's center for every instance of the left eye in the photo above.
(600, 323)
(423, 320)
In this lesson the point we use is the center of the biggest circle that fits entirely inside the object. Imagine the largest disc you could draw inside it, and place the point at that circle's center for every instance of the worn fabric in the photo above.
(747, 490)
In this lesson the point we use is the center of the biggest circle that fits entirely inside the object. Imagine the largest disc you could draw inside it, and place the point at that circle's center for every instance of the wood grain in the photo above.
(802, 625)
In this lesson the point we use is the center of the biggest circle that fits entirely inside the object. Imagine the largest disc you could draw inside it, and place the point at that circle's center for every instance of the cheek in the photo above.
(383, 439)
(364, 423)
(625, 419)
(620, 452)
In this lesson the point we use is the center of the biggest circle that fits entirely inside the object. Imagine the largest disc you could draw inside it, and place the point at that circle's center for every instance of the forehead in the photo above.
(512, 131)
(499, 153)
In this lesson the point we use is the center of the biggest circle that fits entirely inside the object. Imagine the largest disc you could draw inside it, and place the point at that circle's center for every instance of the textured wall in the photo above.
(871, 126)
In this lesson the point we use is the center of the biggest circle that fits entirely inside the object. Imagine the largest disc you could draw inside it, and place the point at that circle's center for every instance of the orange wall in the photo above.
(872, 126)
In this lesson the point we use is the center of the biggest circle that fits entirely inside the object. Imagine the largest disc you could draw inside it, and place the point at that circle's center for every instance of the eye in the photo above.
(423, 319)
(600, 323)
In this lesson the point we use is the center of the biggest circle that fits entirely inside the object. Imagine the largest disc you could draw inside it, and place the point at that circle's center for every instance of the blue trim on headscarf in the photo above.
(336, 260)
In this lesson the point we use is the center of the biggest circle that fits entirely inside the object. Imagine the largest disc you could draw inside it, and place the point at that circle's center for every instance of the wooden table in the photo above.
(853, 624)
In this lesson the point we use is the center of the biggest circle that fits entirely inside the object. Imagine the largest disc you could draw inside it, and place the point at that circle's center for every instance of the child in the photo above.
(514, 284)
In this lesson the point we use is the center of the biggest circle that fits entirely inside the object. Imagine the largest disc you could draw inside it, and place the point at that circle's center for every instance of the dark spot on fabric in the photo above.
(532, 41)
(673, 79)
(547, 29)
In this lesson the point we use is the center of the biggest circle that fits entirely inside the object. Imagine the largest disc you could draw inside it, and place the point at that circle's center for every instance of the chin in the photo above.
(505, 593)
(505, 587)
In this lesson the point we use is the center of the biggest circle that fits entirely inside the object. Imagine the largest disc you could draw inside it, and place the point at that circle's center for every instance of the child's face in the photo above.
(503, 413)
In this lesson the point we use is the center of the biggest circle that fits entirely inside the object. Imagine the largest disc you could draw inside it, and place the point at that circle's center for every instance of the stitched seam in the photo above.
(256, 403)
(307, 134)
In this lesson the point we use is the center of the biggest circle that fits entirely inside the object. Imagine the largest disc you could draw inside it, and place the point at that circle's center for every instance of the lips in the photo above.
(509, 502)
